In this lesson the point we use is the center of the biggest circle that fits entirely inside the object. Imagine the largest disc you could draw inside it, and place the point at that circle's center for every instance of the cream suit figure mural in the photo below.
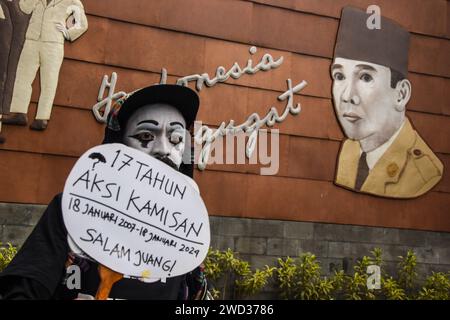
(13, 26)
(44, 50)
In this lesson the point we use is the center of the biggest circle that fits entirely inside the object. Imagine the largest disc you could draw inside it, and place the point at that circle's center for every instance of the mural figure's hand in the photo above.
(62, 28)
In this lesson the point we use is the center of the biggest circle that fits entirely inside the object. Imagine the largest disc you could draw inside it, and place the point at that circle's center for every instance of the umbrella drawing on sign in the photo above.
(97, 156)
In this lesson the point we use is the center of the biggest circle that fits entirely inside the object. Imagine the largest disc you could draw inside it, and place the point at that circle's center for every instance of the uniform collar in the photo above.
(390, 166)
(374, 155)
(387, 169)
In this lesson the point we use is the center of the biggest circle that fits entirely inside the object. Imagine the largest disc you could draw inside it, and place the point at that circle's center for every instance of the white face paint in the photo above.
(368, 109)
(158, 130)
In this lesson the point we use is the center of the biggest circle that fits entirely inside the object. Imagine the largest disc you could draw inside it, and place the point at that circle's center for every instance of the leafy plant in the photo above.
(6, 255)
(356, 285)
(286, 275)
(236, 274)
(407, 271)
(392, 290)
(437, 287)
(302, 279)
(252, 282)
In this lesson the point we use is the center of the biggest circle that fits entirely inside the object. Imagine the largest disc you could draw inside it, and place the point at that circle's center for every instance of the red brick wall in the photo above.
(137, 38)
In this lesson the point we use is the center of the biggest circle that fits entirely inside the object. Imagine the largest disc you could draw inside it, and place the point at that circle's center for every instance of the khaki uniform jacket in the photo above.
(44, 17)
(407, 169)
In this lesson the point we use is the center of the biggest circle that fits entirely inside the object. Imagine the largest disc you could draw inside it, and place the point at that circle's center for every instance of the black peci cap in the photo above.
(387, 46)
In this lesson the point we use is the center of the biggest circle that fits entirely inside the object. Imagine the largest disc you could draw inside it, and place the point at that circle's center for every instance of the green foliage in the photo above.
(377, 256)
(392, 290)
(356, 284)
(437, 287)
(214, 265)
(308, 277)
(286, 274)
(6, 255)
(252, 282)
(302, 278)
(232, 270)
(407, 270)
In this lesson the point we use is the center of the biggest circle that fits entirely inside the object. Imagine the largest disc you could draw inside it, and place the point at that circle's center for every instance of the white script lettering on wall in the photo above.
(205, 136)
(103, 107)
(267, 63)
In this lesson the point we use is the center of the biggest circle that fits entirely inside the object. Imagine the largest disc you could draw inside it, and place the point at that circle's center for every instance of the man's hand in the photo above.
(62, 28)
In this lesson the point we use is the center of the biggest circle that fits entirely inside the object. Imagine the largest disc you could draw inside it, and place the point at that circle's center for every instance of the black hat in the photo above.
(387, 46)
(182, 98)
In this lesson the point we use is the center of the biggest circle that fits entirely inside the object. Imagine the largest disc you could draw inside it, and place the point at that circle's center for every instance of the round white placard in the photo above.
(135, 214)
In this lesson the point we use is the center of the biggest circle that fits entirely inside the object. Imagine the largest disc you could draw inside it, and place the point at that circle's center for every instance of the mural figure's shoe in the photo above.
(39, 125)
(17, 119)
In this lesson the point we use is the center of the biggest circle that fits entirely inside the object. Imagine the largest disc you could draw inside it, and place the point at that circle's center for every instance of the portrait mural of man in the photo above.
(44, 50)
(383, 154)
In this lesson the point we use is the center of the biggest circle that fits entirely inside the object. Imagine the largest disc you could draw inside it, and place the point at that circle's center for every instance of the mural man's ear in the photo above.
(403, 91)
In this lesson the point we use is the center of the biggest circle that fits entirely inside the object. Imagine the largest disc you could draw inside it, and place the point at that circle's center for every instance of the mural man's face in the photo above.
(158, 130)
(366, 105)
